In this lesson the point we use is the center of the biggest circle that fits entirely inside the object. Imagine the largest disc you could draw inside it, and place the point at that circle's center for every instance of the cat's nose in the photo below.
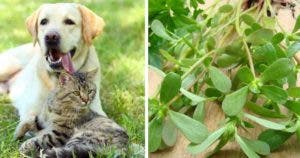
(85, 100)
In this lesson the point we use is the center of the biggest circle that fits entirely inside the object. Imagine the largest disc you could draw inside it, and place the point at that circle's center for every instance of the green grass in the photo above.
(121, 54)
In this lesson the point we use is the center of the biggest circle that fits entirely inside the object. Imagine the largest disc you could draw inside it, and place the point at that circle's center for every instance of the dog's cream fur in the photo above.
(25, 71)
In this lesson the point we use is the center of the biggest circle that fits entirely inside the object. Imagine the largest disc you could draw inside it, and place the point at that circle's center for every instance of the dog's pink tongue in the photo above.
(67, 63)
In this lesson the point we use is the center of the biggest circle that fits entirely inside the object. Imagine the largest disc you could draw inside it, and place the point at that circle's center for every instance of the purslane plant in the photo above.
(235, 54)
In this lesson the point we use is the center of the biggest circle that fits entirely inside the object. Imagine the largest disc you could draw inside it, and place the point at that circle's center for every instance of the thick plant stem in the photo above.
(249, 57)
(179, 40)
(237, 21)
(238, 30)
(196, 65)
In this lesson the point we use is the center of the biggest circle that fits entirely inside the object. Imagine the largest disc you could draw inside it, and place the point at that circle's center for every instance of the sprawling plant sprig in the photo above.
(234, 54)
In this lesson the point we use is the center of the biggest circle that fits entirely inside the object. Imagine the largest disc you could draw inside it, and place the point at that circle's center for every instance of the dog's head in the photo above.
(62, 30)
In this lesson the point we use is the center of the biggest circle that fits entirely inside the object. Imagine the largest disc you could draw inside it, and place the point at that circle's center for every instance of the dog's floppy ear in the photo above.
(92, 25)
(32, 25)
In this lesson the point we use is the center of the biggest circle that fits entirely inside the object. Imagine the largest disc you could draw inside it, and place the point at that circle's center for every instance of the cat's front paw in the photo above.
(29, 147)
(48, 153)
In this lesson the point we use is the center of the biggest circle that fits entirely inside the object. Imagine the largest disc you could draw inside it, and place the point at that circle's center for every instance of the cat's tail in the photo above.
(79, 152)
(64, 152)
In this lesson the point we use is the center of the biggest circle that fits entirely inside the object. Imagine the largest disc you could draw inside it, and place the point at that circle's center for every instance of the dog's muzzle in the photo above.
(58, 60)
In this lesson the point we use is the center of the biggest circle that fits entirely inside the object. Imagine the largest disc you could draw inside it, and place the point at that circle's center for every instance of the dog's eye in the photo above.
(44, 21)
(69, 22)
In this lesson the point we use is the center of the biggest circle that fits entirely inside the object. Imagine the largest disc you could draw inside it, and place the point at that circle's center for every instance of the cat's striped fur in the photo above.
(68, 127)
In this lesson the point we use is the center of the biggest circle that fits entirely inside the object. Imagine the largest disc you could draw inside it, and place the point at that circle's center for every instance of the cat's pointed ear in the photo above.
(64, 77)
(92, 74)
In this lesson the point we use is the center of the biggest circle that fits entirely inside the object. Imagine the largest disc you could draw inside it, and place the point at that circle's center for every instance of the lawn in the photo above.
(121, 54)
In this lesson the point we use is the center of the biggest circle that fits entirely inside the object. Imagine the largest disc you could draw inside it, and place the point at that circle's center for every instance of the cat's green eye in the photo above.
(76, 93)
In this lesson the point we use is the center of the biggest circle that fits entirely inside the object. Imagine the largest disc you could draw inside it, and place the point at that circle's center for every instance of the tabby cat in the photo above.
(66, 125)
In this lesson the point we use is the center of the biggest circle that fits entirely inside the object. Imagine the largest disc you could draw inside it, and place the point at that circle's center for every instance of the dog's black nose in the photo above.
(52, 39)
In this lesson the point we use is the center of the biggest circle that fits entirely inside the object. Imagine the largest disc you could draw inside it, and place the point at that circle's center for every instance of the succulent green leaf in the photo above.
(195, 149)
(234, 102)
(265, 123)
(274, 93)
(292, 80)
(170, 87)
(256, 26)
(188, 81)
(247, 149)
(219, 79)
(199, 112)
(248, 19)
(258, 146)
(212, 92)
(158, 29)
(234, 49)
(265, 53)
(274, 138)
(293, 106)
(277, 38)
(245, 75)
(225, 8)
(294, 92)
(225, 60)
(277, 70)
(211, 43)
(298, 133)
(169, 132)
(192, 129)
(293, 49)
(268, 22)
(155, 132)
(260, 36)
(177, 6)
(195, 98)
(260, 110)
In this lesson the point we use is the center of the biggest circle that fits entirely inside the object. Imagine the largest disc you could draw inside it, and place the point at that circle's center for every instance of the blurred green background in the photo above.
(120, 51)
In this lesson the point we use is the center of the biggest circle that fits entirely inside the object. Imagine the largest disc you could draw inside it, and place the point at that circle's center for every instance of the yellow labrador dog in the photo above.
(63, 34)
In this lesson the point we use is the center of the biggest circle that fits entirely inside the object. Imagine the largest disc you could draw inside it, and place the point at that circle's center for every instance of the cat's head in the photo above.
(79, 86)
